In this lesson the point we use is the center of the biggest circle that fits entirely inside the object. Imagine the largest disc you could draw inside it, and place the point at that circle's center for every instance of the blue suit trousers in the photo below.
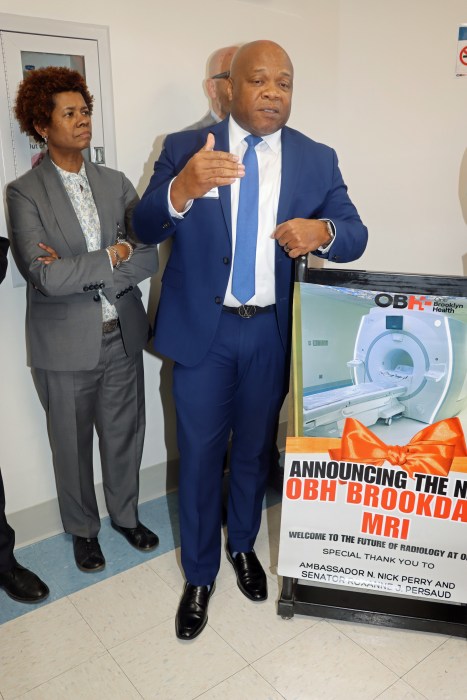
(237, 390)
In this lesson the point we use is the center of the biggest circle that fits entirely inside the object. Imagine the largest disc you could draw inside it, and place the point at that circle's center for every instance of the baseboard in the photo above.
(43, 520)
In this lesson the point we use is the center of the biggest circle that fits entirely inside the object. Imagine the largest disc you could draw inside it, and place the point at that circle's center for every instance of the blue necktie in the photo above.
(243, 278)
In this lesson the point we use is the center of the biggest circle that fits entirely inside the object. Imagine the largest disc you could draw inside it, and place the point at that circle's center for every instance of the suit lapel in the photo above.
(291, 158)
(103, 198)
(62, 207)
(221, 134)
(290, 173)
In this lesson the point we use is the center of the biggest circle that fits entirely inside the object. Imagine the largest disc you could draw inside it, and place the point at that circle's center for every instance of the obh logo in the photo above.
(401, 301)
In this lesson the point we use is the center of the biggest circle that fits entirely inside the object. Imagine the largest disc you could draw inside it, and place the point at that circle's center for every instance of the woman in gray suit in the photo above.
(86, 325)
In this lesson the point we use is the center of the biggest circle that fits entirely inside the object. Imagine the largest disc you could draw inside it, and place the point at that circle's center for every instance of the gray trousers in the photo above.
(111, 398)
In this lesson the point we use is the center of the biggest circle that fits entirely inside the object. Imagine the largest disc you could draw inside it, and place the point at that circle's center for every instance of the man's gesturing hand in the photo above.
(205, 170)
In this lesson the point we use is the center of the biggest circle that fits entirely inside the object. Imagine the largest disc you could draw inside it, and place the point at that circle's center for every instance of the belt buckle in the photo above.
(110, 325)
(246, 311)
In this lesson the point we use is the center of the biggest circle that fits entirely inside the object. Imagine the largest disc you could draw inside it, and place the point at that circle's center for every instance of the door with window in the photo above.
(28, 43)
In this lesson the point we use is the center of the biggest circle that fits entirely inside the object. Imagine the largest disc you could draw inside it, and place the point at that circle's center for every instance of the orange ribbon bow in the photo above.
(430, 451)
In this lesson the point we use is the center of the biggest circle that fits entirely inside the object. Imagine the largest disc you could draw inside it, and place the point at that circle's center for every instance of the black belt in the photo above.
(246, 311)
(109, 326)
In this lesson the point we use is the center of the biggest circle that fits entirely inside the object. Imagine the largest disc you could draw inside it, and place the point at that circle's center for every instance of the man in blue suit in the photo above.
(225, 310)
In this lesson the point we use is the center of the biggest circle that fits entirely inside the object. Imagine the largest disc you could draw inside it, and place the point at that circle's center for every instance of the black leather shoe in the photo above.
(192, 613)
(23, 585)
(88, 554)
(251, 578)
(140, 536)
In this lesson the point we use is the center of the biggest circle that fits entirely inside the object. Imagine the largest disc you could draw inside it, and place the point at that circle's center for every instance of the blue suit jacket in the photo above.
(197, 273)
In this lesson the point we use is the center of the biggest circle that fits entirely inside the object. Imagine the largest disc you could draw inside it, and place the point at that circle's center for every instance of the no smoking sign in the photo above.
(461, 63)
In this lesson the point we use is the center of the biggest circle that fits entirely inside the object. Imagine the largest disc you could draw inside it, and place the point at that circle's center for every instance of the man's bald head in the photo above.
(220, 60)
(219, 64)
(251, 51)
(261, 84)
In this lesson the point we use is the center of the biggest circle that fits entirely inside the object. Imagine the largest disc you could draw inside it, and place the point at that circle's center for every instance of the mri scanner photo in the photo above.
(406, 364)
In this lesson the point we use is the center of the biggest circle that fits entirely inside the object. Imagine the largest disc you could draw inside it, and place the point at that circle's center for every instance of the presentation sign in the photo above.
(375, 478)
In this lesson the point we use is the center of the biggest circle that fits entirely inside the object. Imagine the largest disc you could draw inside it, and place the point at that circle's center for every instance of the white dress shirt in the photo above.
(269, 153)
(81, 197)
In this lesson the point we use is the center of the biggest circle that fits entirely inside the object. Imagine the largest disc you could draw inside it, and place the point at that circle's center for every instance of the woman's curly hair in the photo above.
(35, 98)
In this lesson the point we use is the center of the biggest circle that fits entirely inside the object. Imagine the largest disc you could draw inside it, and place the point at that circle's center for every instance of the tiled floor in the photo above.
(110, 636)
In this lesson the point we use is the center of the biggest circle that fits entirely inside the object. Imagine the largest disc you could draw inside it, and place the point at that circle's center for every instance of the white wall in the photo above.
(337, 323)
(402, 135)
(374, 79)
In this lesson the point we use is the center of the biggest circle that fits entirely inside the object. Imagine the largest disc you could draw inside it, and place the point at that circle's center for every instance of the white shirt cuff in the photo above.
(173, 213)
(110, 259)
(325, 249)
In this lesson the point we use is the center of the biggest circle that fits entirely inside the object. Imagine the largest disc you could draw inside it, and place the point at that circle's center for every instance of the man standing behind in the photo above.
(217, 88)
(20, 583)
(241, 200)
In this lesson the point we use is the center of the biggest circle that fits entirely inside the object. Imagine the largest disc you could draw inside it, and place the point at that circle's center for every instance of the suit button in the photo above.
(218, 300)
(166, 224)
(225, 261)
(85, 288)
(118, 295)
(130, 288)
(96, 297)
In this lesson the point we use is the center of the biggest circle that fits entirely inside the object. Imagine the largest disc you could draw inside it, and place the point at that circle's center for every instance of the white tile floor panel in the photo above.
(115, 640)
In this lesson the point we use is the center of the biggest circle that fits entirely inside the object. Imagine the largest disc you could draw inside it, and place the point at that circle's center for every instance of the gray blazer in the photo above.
(64, 315)
(207, 120)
